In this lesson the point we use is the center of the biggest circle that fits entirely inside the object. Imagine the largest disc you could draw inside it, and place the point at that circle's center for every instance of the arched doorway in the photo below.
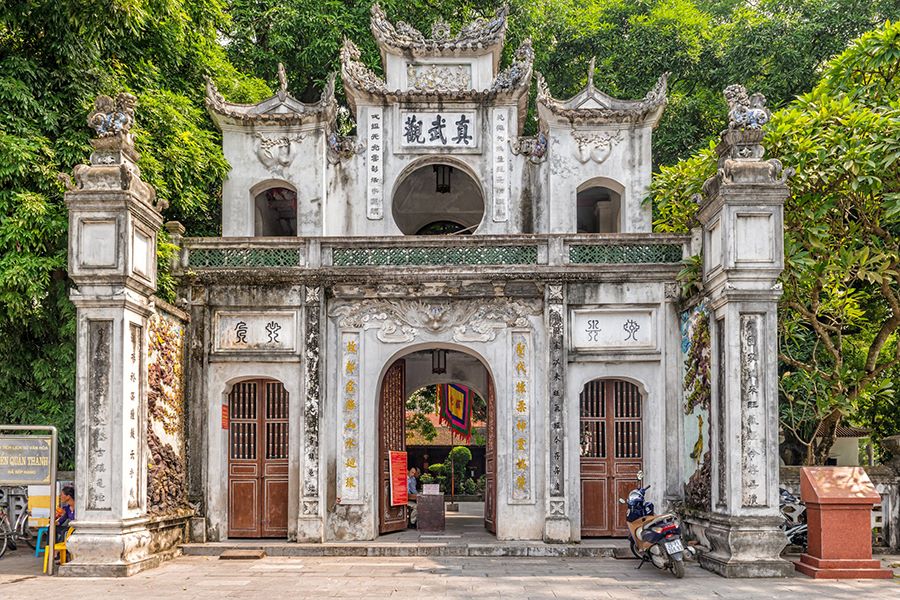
(599, 207)
(392, 415)
(611, 440)
(438, 199)
(275, 212)
(258, 459)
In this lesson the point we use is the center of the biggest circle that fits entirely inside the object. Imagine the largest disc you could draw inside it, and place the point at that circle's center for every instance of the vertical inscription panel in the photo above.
(557, 387)
(134, 422)
(374, 175)
(522, 451)
(349, 480)
(753, 416)
(501, 173)
(721, 428)
(99, 361)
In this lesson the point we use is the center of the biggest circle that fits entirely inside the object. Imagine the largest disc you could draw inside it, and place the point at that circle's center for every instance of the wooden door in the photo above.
(393, 437)
(258, 460)
(490, 463)
(611, 451)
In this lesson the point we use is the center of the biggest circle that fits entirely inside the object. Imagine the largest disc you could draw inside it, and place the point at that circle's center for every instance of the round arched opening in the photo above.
(275, 212)
(438, 199)
(598, 210)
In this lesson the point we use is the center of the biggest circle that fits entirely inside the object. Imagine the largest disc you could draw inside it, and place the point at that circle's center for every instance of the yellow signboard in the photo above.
(25, 459)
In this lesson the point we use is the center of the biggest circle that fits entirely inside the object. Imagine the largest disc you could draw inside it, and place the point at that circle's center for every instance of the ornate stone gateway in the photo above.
(258, 460)
(611, 453)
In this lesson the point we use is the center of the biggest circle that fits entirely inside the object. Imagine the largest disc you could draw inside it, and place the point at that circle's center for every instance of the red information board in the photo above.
(225, 420)
(399, 495)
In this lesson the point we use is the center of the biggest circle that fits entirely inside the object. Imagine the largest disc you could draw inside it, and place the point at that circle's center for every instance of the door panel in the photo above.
(393, 437)
(257, 460)
(490, 462)
(611, 451)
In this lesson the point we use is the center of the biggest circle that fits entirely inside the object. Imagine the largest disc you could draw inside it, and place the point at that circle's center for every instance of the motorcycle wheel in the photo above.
(678, 568)
(633, 548)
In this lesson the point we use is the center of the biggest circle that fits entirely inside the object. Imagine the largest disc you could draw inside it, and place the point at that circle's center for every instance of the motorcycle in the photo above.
(794, 512)
(654, 538)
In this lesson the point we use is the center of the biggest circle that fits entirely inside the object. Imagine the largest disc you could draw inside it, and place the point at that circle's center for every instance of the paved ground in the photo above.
(426, 578)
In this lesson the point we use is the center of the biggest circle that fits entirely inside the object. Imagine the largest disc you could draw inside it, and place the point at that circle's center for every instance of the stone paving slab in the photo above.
(422, 578)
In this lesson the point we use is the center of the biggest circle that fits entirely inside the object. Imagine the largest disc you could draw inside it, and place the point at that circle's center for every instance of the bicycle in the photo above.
(10, 534)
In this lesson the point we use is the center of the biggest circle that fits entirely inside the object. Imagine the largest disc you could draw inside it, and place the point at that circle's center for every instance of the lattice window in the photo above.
(211, 258)
(476, 255)
(625, 253)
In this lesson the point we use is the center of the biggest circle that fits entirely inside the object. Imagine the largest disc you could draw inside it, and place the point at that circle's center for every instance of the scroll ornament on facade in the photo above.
(534, 147)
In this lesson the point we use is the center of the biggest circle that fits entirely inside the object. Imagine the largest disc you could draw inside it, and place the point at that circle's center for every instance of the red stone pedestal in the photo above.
(839, 504)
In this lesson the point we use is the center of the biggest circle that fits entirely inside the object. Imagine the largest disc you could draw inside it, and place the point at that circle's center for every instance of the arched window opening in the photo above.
(598, 210)
(276, 212)
(437, 199)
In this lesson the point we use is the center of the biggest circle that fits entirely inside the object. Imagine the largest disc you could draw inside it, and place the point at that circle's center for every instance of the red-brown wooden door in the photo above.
(258, 460)
(393, 437)
(611, 451)
(490, 462)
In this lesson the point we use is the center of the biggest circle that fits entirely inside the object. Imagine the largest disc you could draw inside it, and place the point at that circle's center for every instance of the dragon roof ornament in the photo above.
(281, 109)
(511, 83)
(593, 107)
(477, 37)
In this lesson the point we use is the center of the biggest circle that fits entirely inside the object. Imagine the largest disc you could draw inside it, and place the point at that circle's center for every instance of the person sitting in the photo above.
(66, 511)
(411, 492)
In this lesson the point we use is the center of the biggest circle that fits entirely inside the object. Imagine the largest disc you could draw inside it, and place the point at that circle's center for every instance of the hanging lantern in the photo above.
(438, 362)
(442, 178)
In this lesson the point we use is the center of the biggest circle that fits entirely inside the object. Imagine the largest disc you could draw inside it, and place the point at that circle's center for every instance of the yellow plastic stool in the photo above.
(57, 547)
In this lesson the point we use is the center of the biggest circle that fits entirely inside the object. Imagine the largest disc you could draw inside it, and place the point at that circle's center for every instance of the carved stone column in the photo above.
(309, 526)
(113, 220)
(557, 525)
(742, 219)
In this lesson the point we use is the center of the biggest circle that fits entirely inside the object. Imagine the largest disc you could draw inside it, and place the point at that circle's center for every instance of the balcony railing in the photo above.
(433, 251)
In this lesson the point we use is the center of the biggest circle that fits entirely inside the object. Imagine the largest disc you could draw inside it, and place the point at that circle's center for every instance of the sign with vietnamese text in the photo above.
(399, 495)
(25, 459)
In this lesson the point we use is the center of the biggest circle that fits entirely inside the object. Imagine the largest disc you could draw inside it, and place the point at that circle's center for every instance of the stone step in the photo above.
(412, 549)
(243, 554)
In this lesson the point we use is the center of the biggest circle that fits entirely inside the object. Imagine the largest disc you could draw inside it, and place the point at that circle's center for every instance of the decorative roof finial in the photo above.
(282, 82)
(745, 112)
(112, 117)
(591, 69)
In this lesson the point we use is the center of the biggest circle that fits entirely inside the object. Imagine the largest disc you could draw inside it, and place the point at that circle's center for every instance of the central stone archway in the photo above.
(403, 376)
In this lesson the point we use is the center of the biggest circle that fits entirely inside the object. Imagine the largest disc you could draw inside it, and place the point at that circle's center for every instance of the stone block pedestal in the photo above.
(745, 547)
(104, 549)
(839, 504)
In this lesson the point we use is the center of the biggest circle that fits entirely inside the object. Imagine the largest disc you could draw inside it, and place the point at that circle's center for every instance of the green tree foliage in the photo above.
(840, 313)
(55, 58)
(775, 46)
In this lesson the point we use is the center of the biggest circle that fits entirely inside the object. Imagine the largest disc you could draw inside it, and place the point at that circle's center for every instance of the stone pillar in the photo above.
(743, 253)
(557, 524)
(113, 220)
(309, 524)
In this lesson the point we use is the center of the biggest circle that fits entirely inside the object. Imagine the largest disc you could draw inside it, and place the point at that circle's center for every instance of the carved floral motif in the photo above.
(401, 321)
(595, 146)
(276, 153)
(439, 77)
